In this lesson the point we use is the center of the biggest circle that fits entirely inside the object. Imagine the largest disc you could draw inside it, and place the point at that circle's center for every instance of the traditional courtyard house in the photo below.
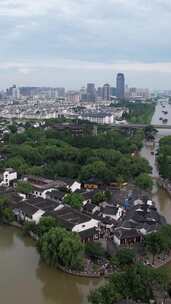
(56, 195)
(42, 186)
(9, 177)
(113, 212)
(29, 213)
(90, 208)
(127, 237)
(71, 185)
(78, 222)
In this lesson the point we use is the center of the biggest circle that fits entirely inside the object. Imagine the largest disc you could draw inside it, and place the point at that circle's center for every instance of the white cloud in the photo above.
(26, 67)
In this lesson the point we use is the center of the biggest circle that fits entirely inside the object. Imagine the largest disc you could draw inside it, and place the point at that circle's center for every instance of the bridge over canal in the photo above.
(141, 126)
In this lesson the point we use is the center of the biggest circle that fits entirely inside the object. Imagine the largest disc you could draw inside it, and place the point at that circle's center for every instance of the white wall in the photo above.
(116, 240)
(85, 226)
(117, 216)
(37, 216)
(75, 186)
(8, 177)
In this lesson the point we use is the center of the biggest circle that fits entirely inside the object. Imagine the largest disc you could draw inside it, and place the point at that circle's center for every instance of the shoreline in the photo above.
(93, 275)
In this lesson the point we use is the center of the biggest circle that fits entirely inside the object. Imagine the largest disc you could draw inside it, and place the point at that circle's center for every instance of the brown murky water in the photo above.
(24, 280)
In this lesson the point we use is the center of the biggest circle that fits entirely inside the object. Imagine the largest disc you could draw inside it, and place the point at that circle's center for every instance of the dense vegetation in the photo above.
(50, 153)
(6, 214)
(56, 245)
(164, 158)
(133, 280)
(158, 242)
(138, 283)
(60, 247)
(138, 112)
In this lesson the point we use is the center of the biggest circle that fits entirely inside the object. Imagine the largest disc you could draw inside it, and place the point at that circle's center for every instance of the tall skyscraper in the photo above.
(61, 92)
(91, 92)
(120, 86)
(106, 92)
(15, 92)
(100, 92)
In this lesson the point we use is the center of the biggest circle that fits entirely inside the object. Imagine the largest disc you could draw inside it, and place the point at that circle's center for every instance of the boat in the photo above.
(165, 120)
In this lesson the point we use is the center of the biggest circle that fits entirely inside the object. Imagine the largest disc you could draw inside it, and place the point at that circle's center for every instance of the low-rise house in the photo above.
(127, 237)
(71, 185)
(42, 186)
(29, 213)
(76, 221)
(114, 212)
(90, 208)
(9, 177)
(56, 195)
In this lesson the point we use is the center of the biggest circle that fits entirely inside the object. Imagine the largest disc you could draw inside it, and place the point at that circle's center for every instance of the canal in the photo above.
(161, 197)
(24, 279)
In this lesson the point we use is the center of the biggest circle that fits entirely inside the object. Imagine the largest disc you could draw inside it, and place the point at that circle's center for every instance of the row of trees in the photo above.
(164, 157)
(138, 112)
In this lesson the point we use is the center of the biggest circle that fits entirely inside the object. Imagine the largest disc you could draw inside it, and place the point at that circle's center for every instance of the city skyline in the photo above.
(72, 42)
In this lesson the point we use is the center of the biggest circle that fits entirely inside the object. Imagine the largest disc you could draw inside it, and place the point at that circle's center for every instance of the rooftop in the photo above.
(69, 217)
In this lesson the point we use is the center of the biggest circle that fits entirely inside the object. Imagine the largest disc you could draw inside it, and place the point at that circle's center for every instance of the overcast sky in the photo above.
(71, 42)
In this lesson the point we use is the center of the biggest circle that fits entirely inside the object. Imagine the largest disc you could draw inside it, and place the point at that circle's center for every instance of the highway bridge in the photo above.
(141, 126)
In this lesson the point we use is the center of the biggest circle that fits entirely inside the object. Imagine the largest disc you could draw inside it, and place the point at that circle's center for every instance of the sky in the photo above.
(71, 42)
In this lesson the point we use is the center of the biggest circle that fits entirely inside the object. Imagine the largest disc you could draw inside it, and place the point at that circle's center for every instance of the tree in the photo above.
(60, 247)
(144, 181)
(93, 249)
(98, 197)
(71, 252)
(154, 244)
(29, 227)
(74, 200)
(6, 214)
(24, 187)
(124, 258)
(45, 224)
(138, 283)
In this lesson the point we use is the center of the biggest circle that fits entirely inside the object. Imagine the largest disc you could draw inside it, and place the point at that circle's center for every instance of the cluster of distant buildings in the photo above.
(90, 93)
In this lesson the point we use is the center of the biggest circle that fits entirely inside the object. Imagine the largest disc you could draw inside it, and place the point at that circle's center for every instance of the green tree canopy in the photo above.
(24, 187)
(144, 181)
(74, 200)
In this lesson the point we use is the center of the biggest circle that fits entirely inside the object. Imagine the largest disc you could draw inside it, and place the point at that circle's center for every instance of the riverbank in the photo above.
(26, 279)
(165, 184)
(102, 273)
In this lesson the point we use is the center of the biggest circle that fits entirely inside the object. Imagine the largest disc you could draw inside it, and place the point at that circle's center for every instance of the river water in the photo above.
(161, 197)
(24, 279)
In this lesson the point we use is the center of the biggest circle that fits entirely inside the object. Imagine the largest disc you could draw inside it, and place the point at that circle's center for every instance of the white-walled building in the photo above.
(9, 176)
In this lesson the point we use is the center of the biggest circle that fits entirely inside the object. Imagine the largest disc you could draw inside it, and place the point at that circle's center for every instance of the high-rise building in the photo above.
(106, 92)
(120, 86)
(100, 92)
(61, 92)
(91, 92)
(83, 94)
(112, 91)
(15, 92)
